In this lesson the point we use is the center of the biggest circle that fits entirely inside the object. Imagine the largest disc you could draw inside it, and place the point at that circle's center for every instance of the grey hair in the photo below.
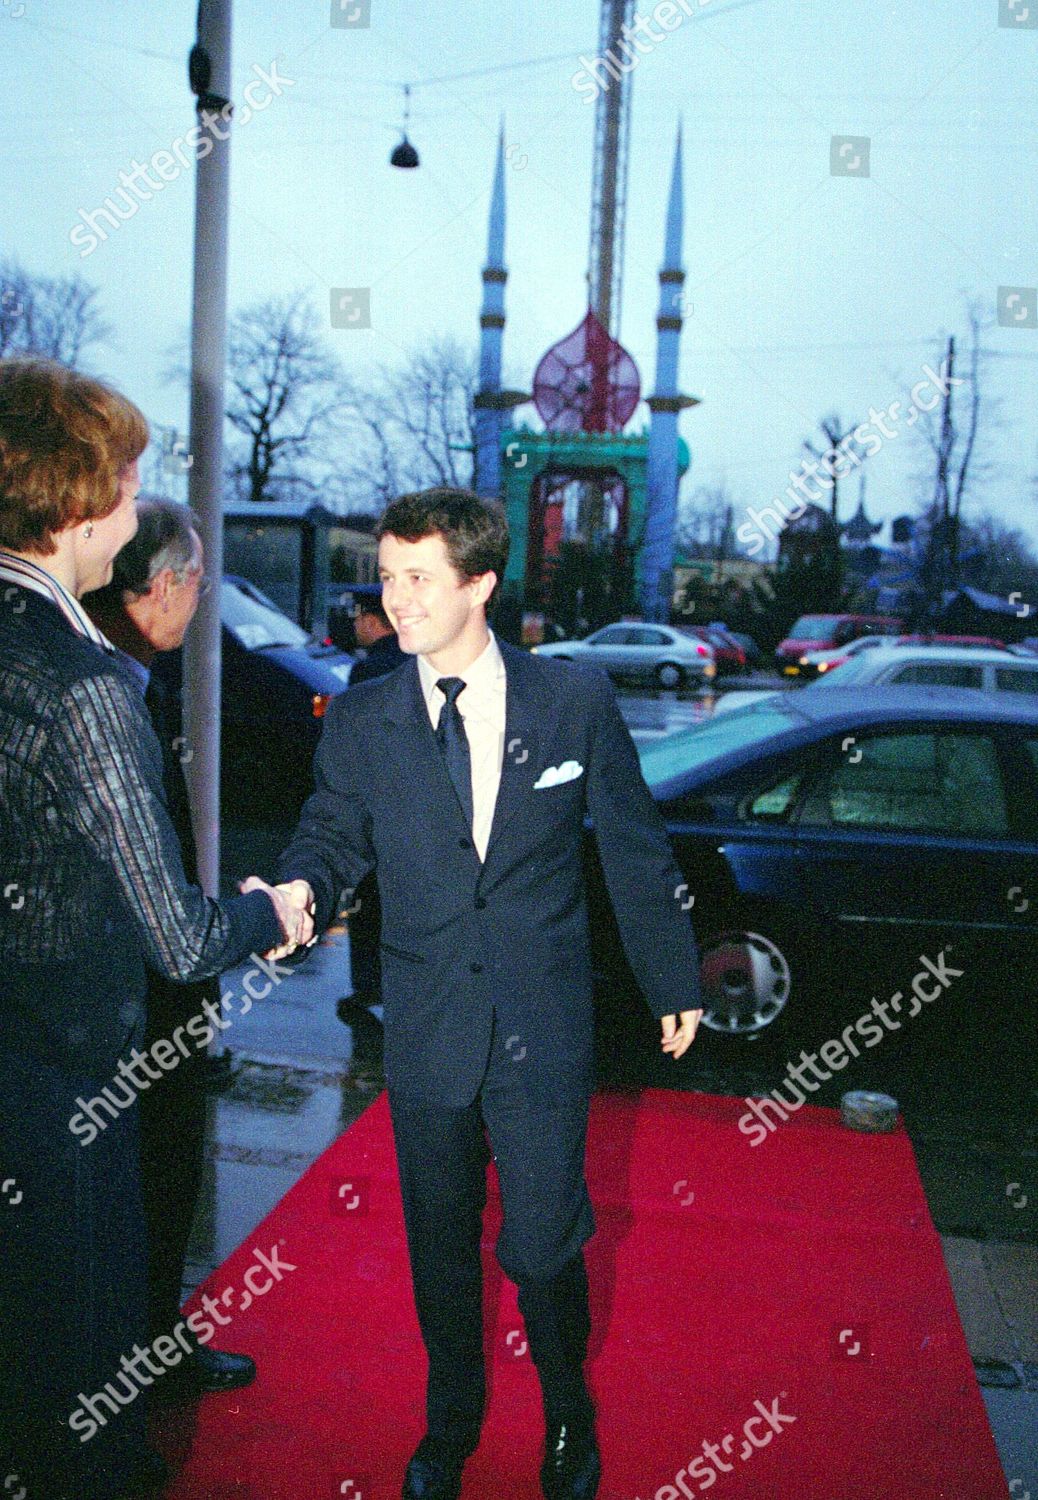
(165, 538)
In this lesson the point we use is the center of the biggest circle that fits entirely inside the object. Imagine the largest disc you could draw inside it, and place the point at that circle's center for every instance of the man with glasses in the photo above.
(157, 581)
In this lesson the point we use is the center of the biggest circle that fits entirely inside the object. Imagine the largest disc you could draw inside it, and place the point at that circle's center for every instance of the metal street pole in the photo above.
(210, 76)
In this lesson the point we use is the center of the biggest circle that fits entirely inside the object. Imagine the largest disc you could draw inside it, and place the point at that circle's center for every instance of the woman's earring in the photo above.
(88, 530)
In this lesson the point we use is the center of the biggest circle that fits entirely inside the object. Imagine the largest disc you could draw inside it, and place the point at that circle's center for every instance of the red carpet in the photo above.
(801, 1278)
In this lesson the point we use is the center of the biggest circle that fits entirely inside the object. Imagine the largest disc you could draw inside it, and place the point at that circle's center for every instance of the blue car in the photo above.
(829, 840)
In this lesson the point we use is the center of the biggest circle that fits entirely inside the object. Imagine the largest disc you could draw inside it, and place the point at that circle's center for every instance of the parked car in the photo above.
(829, 838)
(277, 683)
(824, 632)
(935, 666)
(658, 654)
(935, 638)
(754, 654)
(728, 654)
(815, 663)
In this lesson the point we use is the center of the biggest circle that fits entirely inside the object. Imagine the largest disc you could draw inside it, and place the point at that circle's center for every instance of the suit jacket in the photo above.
(94, 880)
(169, 1003)
(384, 655)
(464, 939)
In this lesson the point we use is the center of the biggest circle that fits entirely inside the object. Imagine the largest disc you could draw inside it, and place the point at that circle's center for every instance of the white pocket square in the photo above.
(556, 775)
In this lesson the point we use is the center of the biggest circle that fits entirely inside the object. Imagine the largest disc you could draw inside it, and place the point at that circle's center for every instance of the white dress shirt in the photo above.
(482, 707)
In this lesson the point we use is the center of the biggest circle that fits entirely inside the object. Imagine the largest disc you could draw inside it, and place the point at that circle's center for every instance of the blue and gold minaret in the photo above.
(657, 553)
(492, 404)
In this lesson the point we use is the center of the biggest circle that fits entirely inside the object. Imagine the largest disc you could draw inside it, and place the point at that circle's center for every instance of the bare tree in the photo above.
(951, 433)
(413, 425)
(286, 398)
(836, 434)
(704, 526)
(56, 316)
(998, 558)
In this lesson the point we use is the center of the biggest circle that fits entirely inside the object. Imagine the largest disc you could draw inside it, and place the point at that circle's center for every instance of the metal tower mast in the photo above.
(609, 189)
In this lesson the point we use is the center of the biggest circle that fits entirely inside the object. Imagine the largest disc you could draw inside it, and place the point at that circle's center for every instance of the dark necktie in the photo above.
(451, 737)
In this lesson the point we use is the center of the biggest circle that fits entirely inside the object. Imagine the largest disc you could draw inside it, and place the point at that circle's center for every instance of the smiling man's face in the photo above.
(430, 606)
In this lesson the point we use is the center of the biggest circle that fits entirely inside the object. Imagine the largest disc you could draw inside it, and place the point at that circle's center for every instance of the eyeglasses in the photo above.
(205, 583)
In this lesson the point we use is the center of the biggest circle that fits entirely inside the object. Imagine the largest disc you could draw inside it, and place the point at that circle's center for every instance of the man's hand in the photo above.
(677, 1039)
(294, 904)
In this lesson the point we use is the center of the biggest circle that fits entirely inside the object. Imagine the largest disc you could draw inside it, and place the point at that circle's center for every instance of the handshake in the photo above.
(294, 904)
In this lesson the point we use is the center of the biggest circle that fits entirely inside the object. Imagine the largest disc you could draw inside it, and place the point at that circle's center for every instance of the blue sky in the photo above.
(808, 291)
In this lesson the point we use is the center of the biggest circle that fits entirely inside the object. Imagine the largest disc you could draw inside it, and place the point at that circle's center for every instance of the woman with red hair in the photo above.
(93, 890)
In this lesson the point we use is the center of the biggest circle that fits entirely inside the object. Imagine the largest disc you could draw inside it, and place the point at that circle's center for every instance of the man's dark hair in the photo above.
(374, 608)
(474, 530)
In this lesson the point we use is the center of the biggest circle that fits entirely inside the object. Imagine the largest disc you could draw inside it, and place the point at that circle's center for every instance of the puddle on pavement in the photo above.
(278, 1090)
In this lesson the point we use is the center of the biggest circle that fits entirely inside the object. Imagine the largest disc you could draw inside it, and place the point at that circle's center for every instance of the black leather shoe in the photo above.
(572, 1468)
(434, 1472)
(206, 1371)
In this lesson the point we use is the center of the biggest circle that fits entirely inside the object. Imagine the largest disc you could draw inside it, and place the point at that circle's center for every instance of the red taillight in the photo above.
(702, 651)
(320, 704)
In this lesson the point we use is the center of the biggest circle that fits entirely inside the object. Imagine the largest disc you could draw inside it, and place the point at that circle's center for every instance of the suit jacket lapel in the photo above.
(525, 711)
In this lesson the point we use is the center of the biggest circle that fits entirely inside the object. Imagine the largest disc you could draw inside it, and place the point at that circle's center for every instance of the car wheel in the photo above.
(745, 980)
(669, 675)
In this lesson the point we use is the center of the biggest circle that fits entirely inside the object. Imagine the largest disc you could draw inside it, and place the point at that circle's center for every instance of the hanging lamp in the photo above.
(404, 154)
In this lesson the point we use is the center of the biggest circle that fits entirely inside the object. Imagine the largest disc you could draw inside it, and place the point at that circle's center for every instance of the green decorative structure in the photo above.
(531, 460)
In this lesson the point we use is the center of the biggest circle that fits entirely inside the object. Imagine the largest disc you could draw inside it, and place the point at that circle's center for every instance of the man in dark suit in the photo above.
(463, 780)
(377, 638)
(157, 581)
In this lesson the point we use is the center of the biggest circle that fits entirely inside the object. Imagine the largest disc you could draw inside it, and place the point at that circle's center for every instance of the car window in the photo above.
(679, 753)
(813, 628)
(642, 637)
(775, 802)
(612, 635)
(924, 783)
(255, 625)
(939, 674)
(1016, 680)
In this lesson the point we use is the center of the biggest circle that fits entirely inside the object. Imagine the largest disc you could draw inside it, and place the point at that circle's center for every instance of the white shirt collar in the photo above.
(484, 675)
(31, 576)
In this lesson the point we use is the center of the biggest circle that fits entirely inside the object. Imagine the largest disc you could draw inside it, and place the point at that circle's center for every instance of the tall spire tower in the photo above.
(657, 570)
(492, 404)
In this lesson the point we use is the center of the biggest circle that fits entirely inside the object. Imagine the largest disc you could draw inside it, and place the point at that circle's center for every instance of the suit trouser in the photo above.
(442, 1155)
(72, 1302)
(172, 1128)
